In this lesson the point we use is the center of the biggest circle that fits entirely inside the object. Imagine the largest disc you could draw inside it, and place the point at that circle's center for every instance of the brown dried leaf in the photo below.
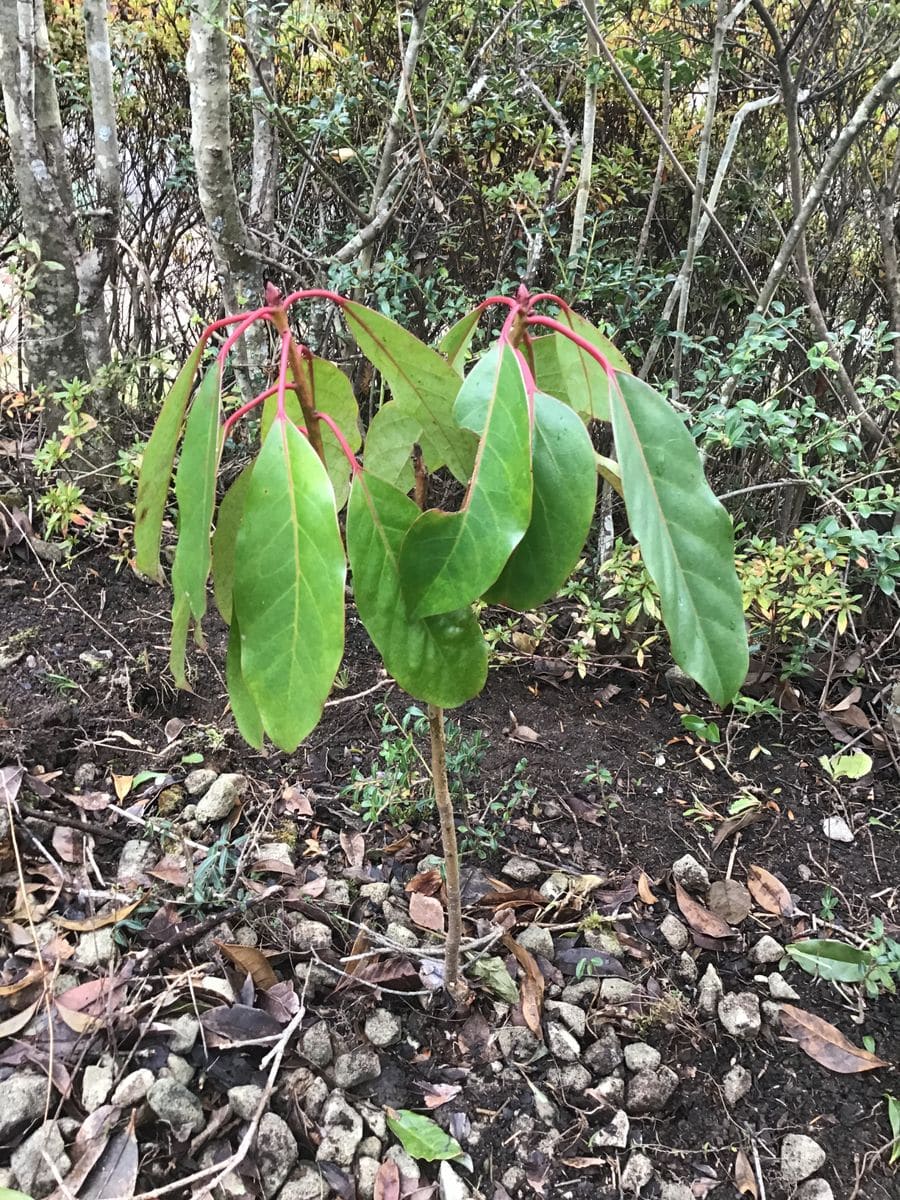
(354, 846)
(429, 882)
(744, 1179)
(645, 889)
(354, 961)
(123, 785)
(437, 1094)
(769, 892)
(90, 801)
(732, 825)
(173, 727)
(252, 961)
(68, 844)
(297, 800)
(387, 1181)
(427, 912)
(89, 924)
(513, 898)
(700, 918)
(730, 900)
(19, 1020)
(532, 985)
(853, 697)
(826, 1044)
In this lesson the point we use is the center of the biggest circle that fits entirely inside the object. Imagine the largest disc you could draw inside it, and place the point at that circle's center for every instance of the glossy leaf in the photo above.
(389, 442)
(243, 706)
(333, 395)
(450, 559)
(686, 538)
(228, 520)
(440, 659)
(570, 373)
(455, 343)
(422, 383)
(195, 492)
(829, 959)
(421, 1137)
(181, 621)
(156, 469)
(608, 469)
(562, 508)
(288, 594)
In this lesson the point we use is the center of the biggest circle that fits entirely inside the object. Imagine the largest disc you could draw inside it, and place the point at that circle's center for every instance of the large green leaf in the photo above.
(224, 540)
(454, 345)
(195, 493)
(562, 508)
(685, 535)
(830, 959)
(422, 383)
(181, 622)
(243, 706)
(450, 559)
(422, 1137)
(440, 659)
(333, 395)
(156, 469)
(389, 442)
(566, 371)
(288, 594)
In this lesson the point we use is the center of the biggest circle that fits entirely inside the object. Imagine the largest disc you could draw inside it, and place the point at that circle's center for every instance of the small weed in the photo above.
(485, 835)
(588, 967)
(828, 905)
(597, 777)
(706, 731)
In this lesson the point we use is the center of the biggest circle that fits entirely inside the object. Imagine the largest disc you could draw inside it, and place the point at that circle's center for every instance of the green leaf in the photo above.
(181, 620)
(224, 540)
(854, 765)
(495, 977)
(332, 394)
(608, 469)
(450, 559)
(562, 509)
(421, 1137)
(195, 492)
(11, 1193)
(156, 469)
(832, 960)
(389, 442)
(423, 385)
(455, 343)
(441, 659)
(686, 538)
(893, 1107)
(566, 371)
(243, 706)
(288, 595)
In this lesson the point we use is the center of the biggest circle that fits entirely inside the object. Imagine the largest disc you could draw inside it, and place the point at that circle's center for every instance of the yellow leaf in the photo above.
(89, 924)
(123, 785)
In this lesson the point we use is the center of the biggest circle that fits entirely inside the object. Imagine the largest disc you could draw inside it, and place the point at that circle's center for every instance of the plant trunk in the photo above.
(454, 983)
(261, 20)
(239, 271)
(589, 121)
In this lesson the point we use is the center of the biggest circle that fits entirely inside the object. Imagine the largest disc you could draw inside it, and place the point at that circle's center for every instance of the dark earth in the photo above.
(85, 695)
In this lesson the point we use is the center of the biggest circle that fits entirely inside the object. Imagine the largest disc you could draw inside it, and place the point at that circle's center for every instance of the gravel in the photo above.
(736, 1084)
(523, 870)
(34, 1175)
(538, 940)
(383, 1028)
(650, 1091)
(637, 1174)
(174, 1104)
(276, 1152)
(342, 1131)
(675, 932)
(740, 1015)
(766, 950)
(223, 794)
(800, 1158)
(133, 1088)
(361, 1065)
(22, 1100)
(606, 1053)
(692, 875)
(641, 1057)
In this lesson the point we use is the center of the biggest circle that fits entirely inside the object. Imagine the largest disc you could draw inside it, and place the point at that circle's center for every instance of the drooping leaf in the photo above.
(421, 1137)
(455, 343)
(825, 1043)
(685, 535)
(156, 469)
(195, 492)
(423, 385)
(562, 508)
(440, 659)
(608, 469)
(288, 595)
(570, 373)
(389, 443)
(224, 540)
(830, 959)
(493, 974)
(450, 559)
(333, 395)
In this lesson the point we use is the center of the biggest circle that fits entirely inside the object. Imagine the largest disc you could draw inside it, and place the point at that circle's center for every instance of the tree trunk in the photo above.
(53, 342)
(261, 22)
(588, 124)
(240, 275)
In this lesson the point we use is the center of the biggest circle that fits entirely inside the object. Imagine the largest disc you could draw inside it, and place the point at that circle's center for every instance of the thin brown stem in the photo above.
(455, 985)
(302, 384)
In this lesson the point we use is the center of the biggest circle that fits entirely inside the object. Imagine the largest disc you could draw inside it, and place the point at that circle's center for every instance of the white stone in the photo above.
(766, 950)
(692, 875)
(96, 1084)
(133, 1088)
(675, 932)
(523, 870)
(221, 798)
(780, 989)
(837, 829)
(450, 1185)
(736, 1084)
(383, 1028)
(641, 1057)
(537, 940)
(637, 1174)
(739, 1014)
(614, 1133)
(815, 1189)
(800, 1158)
(710, 991)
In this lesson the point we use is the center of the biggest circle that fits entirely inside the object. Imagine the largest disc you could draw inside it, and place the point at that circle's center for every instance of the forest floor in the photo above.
(633, 1026)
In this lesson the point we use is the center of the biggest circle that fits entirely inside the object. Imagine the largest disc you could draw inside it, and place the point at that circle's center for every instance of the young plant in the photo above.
(513, 430)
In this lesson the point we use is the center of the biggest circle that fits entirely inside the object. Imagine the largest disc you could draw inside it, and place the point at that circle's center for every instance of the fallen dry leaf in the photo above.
(730, 900)
(355, 958)
(532, 989)
(18, 1021)
(387, 1181)
(251, 961)
(732, 825)
(90, 801)
(123, 785)
(429, 882)
(826, 1044)
(769, 892)
(354, 846)
(645, 890)
(700, 918)
(89, 924)
(297, 800)
(427, 912)
(744, 1179)
(437, 1094)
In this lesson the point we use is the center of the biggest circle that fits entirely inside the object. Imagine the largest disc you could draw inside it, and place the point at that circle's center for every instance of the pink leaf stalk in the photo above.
(582, 343)
(259, 314)
(341, 441)
(249, 406)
